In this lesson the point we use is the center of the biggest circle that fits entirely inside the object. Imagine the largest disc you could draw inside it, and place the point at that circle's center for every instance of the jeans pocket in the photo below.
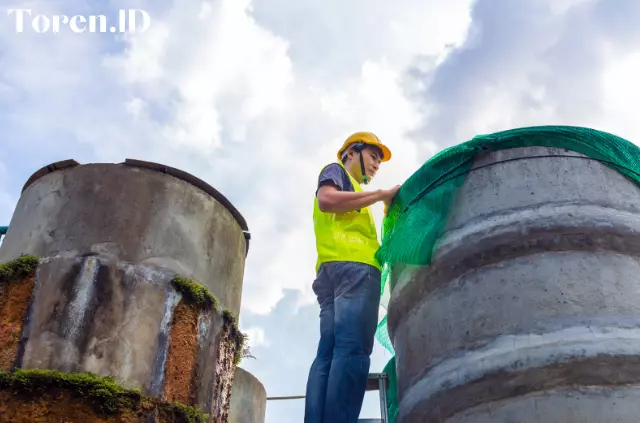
(315, 285)
(322, 286)
(353, 280)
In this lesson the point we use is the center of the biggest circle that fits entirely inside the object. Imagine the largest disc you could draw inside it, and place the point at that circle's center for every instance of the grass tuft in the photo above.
(18, 268)
(186, 414)
(195, 293)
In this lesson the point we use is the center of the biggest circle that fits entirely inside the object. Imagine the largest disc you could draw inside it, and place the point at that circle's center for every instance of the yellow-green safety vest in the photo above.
(350, 236)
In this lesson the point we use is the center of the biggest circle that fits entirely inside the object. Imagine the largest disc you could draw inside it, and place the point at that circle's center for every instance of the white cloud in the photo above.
(526, 63)
(256, 337)
(331, 39)
(211, 67)
(7, 202)
(621, 89)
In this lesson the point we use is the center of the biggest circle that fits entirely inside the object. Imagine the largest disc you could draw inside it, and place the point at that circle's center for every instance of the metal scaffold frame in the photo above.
(377, 382)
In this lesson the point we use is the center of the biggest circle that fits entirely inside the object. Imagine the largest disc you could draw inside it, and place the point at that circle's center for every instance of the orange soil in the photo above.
(182, 355)
(14, 301)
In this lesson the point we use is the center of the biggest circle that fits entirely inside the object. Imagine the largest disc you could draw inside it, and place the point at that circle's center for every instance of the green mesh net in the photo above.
(419, 213)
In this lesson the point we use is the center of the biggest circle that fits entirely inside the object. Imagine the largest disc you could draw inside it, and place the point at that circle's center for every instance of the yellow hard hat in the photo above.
(366, 138)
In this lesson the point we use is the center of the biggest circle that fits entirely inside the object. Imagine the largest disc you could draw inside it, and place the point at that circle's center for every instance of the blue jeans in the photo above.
(349, 297)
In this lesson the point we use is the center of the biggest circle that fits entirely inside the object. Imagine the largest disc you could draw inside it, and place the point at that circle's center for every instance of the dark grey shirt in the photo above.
(336, 175)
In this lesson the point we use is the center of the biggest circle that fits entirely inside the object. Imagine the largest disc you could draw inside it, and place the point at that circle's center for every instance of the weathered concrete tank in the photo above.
(530, 309)
(139, 278)
(248, 399)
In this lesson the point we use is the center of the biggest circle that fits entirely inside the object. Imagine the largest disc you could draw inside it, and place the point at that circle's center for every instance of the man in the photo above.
(347, 282)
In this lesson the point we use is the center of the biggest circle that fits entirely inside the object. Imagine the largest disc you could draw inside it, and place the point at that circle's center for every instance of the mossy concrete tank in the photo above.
(127, 253)
(248, 399)
(143, 213)
(530, 308)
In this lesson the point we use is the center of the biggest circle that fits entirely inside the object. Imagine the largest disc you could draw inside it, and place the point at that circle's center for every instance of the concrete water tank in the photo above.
(139, 278)
(248, 399)
(530, 308)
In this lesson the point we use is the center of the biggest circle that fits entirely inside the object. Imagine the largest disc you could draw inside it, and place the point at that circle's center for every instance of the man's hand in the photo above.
(389, 194)
(388, 197)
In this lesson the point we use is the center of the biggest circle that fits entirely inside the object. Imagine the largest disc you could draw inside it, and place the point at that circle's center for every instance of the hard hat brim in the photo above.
(386, 152)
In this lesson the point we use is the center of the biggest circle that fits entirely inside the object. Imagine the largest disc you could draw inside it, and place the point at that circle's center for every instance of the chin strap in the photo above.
(365, 179)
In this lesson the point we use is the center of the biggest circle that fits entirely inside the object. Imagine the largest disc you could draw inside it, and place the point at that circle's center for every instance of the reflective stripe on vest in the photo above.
(348, 236)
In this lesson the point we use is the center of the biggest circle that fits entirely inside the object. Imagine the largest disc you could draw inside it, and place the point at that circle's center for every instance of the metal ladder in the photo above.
(379, 382)
(376, 382)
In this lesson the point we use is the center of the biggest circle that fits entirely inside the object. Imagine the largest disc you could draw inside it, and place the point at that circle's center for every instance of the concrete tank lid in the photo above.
(180, 174)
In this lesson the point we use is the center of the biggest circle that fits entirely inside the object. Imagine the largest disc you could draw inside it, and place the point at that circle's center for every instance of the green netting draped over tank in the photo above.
(419, 213)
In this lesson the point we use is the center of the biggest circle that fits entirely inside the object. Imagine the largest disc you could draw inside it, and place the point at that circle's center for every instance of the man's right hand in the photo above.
(389, 194)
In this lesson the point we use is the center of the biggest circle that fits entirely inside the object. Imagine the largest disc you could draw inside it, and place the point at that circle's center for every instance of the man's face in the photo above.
(372, 159)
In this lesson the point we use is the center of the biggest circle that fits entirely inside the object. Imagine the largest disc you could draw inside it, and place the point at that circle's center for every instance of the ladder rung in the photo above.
(373, 383)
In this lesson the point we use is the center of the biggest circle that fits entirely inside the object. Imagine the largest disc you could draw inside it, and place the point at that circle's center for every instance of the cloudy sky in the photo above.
(254, 96)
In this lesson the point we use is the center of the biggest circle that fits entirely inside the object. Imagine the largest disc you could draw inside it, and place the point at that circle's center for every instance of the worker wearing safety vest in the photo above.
(347, 283)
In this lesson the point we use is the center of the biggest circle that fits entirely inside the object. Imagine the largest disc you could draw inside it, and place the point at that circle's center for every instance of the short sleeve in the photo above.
(335, 175)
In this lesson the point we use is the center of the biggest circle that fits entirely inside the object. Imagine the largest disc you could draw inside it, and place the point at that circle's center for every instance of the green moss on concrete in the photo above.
(195, 293)
(229, 318)
(104, 394)
(184, 413)
(18, 268)
(238, 338)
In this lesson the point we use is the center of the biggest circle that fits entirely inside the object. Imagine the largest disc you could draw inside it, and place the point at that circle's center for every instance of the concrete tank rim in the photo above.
(527, 130)
(52, 167)
(158, 167)
(530, 131)
(251, 376)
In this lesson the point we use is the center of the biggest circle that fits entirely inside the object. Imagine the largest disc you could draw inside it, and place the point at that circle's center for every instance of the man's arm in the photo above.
(332, 200)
